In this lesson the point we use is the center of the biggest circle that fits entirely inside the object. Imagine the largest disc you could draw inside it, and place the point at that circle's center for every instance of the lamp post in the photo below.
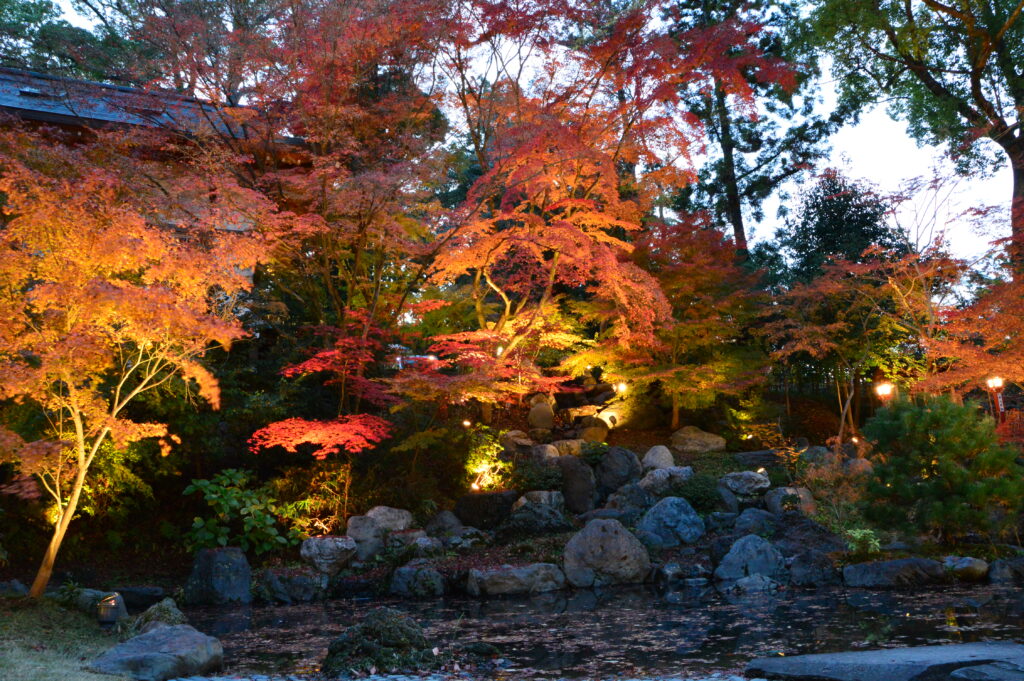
(995, 392)
(885, 391)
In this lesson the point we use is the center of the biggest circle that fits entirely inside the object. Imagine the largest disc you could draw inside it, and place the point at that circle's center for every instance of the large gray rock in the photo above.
(1006, 571)
(516, 441)
(756, 521)
(751, 555)
(658, 456)
(551, 498)
(797, 533)
(533, 519)
(660, 481)
(997, 671)
(891, 574)
(161, 654)
(813, 568)
(328, 555)
(219, 577)
(693, 440)
(965, 568)
(13, 588)
(673, 521)
(783, 499)
(391, 519)
(486, 510)
(444, 524)
(632, 499)
(541, 416)
(745, 483)
(289, 586)
(617, 467)
(579, 487)
(417, 581)
(528, 579)
(545, 455)
(604, 552)
(594, 429)
(926, 663)
(569, 447)
(162, 614)
(368, 535)
(763, 458)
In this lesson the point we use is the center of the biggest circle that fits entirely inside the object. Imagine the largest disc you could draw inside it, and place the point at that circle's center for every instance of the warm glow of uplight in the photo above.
(884, 390)
(475, 486)
(467, 423)
(501, 349)
(621, 387)
(994, 383)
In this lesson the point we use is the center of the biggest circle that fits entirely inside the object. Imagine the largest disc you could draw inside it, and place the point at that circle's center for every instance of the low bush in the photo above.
(701, 491)
(940, 469)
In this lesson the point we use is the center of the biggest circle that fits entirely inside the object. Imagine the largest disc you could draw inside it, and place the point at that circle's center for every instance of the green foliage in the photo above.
(593, 452)
(701, 491)
(863, 541)
(529, 475)
(386, 639)
(311, 497)
(241, 516)
(942, 470)
(485, 467)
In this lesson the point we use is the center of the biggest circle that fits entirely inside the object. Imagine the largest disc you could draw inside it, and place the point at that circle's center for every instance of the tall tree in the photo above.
(954, 70)
(114, 279)
(755, 147)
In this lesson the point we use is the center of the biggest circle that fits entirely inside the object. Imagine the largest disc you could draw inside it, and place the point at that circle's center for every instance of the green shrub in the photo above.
(942, 470)
(241, 516)
(863, 541)
(701, 491)
(528, 475)
(593, 452)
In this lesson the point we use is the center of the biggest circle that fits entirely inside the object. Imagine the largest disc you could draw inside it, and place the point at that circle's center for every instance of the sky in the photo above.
(879, 150)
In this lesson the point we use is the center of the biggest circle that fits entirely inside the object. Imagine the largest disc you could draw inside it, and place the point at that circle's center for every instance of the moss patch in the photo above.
(386, 640)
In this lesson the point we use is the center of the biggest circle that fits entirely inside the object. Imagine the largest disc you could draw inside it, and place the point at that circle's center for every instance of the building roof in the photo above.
(68, 101)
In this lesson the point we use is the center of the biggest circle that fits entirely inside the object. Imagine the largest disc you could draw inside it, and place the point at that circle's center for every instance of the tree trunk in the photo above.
(42, 579)
(675, 412)
(1016, 250)
(733, 205)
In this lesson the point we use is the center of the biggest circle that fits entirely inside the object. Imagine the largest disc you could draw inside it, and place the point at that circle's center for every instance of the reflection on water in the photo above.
(633, 631)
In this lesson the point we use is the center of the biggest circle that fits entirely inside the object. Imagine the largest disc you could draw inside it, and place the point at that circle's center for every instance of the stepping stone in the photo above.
(925, 663)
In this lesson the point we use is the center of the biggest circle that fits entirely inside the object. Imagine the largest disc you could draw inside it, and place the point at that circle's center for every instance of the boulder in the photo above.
(858, 466)
(391, 519)
(797, 533)
(368, 535)
(751, 555)
(674, 522)
(756, 521)
(138, 598)
(965, 568)
(162, 614)
(219, 577)
(745, 483)
(544, 497)
(417, 581)
(763, 458)
(545, 455)
(658, 456)
(782, 499)
(718, 521)
(537, 435)
(13, 588)
(569, 447)
(632, 500)
(162, 653)
(289, 586)
(660, 481)
(486, 510)
(386, 638)
(813, 568)
(528, 579)
(427, 546)
(1006, 571)
(604, 552)
(515, 441)
(594, 429)
(399, 540)
(444, 524)
(617, 467)
(579, 487)
(923, 663)
(996, 671)
(693, 440)
(752, 584)
(541, 416)
(532, 519)
(328, 555)
(890, 574)
(817, 455)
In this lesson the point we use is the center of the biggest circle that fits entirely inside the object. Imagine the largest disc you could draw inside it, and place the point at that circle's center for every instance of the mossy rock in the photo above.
(164, 613)
(386, 639)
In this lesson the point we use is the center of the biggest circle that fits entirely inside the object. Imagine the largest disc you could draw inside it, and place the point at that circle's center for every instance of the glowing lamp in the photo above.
(467, 423)
(475, 486)
(885, 390)
(501, 349)
(108, 609)
(994, 383)
(620, 387)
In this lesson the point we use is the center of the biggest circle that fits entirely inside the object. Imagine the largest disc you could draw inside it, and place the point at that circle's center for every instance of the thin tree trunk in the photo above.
(734, 206)
(42, 578)
(675, 412)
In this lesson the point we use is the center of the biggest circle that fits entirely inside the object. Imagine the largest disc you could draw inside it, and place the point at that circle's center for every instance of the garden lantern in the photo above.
(108, 609)
(885, 391)
(620, 388)
(995, 392)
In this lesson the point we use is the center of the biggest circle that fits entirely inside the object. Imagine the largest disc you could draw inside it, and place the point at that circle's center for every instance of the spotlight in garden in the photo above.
(620, 387)
(885, 391)
(501, 349)
(994, 383)
(108, 609)
(467, 423)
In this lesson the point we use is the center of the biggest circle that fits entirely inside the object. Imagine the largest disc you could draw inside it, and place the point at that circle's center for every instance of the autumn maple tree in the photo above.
(108, 289)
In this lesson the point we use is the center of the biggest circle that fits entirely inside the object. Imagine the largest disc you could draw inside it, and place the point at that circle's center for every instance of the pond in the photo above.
(633, 631)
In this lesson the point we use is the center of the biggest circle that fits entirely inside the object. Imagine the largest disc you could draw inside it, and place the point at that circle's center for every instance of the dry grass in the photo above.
(44, 642)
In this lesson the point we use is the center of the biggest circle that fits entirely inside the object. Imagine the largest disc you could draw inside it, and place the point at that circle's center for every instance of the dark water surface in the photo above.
(633, 631)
